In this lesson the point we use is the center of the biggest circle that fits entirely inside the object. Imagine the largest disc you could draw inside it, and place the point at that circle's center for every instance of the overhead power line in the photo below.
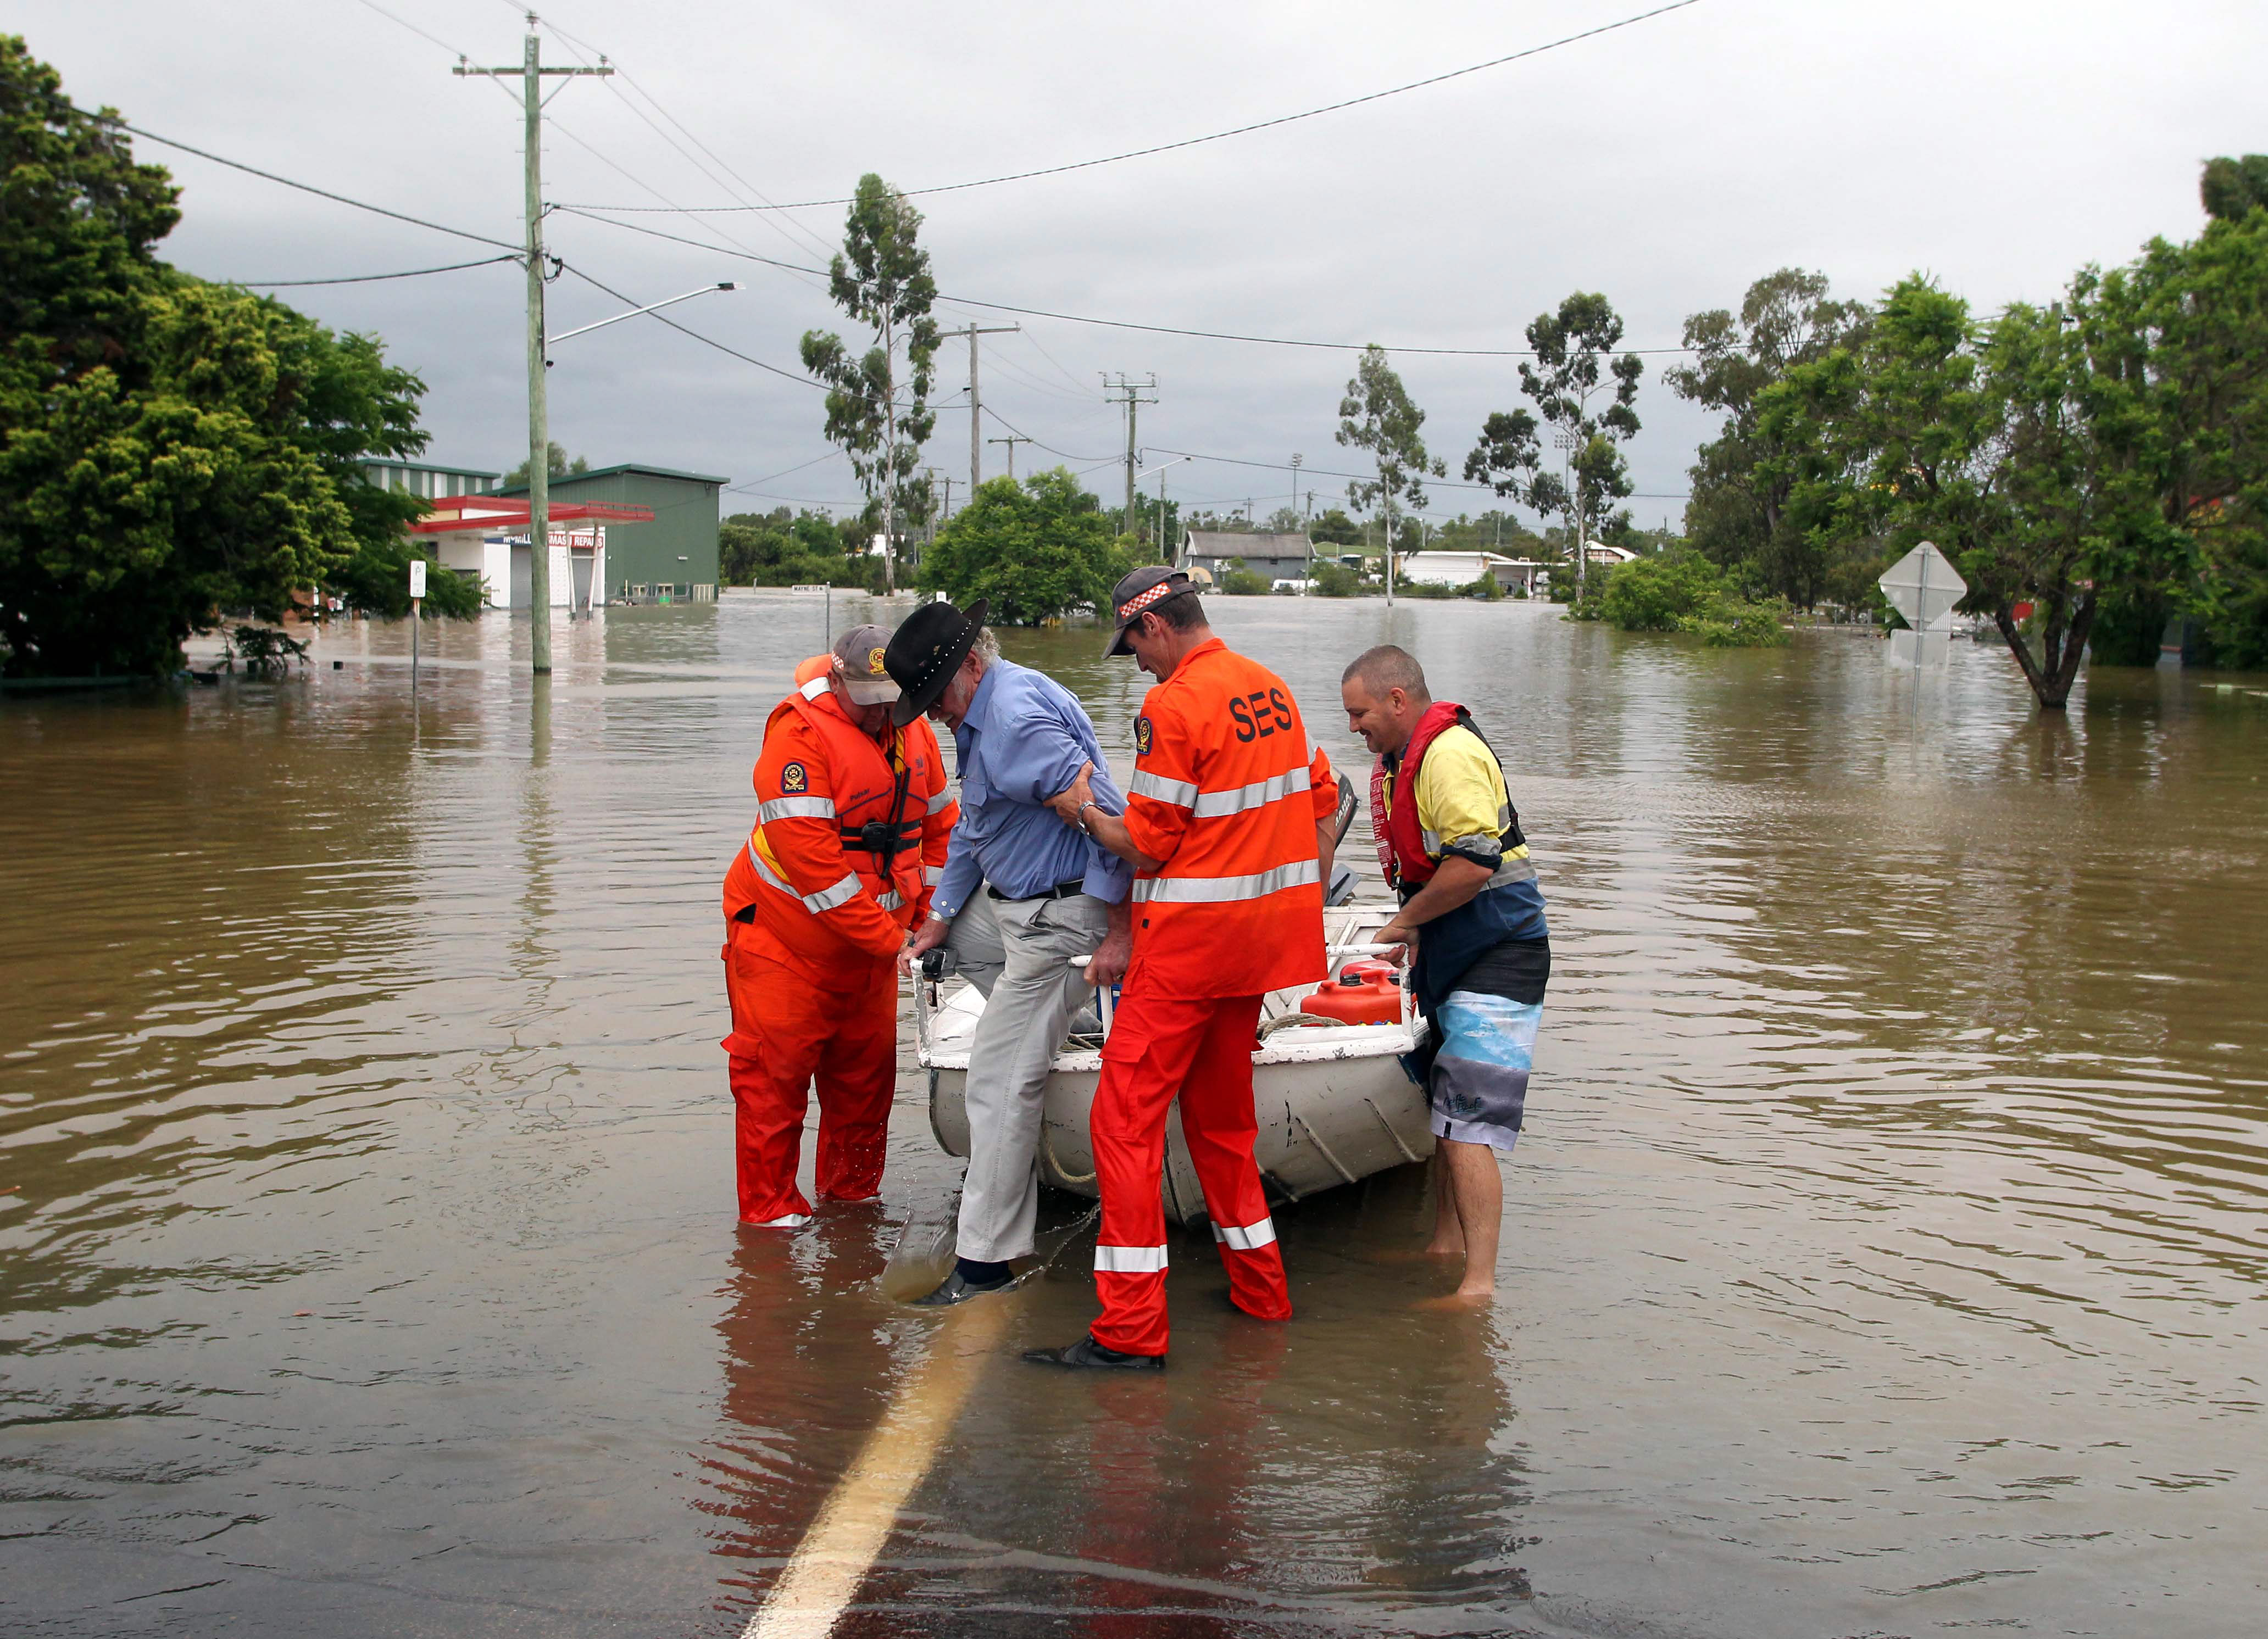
(112, 121)
(1324, 472)
(1104, 460)
(1113, 324)
(368, 278)
(1239, 130)
(696, 334)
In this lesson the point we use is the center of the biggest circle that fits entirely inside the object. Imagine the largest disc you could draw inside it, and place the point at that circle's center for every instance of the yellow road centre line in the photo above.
(855, 1522)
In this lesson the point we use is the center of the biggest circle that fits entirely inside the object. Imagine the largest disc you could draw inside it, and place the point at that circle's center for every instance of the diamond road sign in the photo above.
(1924, 586)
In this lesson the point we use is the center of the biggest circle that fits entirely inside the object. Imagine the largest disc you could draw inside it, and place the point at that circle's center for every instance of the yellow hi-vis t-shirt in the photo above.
(1461, 793)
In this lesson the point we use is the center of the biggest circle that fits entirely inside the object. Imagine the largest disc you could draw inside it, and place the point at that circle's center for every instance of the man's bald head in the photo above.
(1388, 667)
(1384, 692)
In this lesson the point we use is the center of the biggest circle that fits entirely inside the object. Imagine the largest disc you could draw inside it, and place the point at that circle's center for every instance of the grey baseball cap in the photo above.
(858, 662)
(1142, 590)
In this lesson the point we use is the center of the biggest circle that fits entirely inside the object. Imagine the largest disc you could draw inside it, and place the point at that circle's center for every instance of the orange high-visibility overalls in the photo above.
(850, 840)
(1227, 793)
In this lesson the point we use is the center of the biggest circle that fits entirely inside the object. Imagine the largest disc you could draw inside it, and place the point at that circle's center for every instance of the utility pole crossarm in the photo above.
(975, 413)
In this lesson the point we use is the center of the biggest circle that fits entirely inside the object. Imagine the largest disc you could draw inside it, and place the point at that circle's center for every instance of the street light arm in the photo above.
(722, 284)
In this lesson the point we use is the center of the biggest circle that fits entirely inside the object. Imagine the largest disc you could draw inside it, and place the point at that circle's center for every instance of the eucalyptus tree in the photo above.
(882, 278)
(1573, 365)
(1738, 513)
(1376, 415)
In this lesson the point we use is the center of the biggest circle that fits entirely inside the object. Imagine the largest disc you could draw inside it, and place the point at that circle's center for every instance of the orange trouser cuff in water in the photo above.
(1202, 1050)
(788, 1033)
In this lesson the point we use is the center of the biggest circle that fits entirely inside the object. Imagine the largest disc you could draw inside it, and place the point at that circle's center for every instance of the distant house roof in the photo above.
(625, 467)
(1233, 543)
(431, 467)
(1600, 552)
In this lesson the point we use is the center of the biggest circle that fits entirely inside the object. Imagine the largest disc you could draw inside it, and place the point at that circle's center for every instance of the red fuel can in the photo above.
(1371, 1000)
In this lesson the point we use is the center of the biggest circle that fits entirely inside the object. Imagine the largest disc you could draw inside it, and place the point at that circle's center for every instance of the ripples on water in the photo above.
(1885, 1254)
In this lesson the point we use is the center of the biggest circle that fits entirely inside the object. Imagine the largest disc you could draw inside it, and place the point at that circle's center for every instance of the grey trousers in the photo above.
(1029, 1005)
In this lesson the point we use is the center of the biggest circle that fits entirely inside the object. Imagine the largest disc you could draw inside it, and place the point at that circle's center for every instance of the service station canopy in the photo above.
(453, 514)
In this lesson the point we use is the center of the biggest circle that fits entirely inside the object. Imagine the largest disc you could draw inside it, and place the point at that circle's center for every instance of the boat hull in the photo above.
(1320, 1125)
(1332, 1101)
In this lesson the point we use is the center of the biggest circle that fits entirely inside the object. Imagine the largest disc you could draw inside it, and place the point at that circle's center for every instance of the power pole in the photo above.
(531, 72)
(1129, 393)
(1012, 441)
(976, 427)
(1565, 439)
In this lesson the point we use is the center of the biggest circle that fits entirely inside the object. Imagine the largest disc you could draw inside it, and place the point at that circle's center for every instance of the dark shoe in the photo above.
(958, 1288)
(1086, 1354)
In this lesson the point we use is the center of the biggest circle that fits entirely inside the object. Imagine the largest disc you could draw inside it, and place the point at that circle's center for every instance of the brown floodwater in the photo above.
(1885, 1255)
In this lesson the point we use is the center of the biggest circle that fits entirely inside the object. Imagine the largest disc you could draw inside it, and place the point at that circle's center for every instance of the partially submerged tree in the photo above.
(1738, 512)
(881, 278)
(1038, 548)
(1573, 367)
(1377, 415)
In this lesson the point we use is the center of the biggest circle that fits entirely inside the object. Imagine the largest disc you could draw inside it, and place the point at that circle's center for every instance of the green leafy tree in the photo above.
(2178, 395)
(2229, 188)
(784, 548)
(1038, 547)
(1335, 528)
(1333, 580)
(882, 278)
(555, 465)
(1572, 367)
(2006, 446)
(1376, 415)
(1738, 513)
(168, 448)
(1657, 594)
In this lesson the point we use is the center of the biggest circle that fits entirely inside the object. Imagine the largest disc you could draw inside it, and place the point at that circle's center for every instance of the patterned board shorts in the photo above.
(1478, 1088)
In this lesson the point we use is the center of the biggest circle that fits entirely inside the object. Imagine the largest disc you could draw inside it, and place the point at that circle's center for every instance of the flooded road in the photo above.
(1886, 1253)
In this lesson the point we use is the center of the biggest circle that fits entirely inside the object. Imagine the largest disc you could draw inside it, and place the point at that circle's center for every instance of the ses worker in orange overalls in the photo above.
(852, 818)
(1229, 825)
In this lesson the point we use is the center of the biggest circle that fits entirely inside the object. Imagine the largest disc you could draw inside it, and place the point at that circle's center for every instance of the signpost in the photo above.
(417, 598)
(1923, 586)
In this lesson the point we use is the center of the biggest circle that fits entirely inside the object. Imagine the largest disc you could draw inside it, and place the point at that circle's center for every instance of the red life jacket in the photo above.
(1401, 842)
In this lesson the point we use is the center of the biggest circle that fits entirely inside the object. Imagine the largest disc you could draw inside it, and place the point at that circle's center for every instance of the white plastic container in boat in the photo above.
(1333, 1103)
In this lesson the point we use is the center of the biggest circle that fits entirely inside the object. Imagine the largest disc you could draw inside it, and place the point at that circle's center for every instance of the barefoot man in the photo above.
(1451, 846)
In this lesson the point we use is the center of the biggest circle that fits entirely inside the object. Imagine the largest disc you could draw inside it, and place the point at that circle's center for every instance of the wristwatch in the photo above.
(1083, 807)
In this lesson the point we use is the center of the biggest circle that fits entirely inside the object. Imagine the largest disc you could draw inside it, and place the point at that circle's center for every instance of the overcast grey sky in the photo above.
(1997, 146)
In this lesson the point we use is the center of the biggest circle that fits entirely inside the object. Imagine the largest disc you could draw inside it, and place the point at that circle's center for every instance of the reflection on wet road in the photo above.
(1885, 1254)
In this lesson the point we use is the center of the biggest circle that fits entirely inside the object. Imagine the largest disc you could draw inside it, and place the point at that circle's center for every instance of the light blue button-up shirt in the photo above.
(1021, 743)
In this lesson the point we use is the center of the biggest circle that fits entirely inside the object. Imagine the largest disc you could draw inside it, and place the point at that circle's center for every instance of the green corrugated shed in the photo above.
(677, 549)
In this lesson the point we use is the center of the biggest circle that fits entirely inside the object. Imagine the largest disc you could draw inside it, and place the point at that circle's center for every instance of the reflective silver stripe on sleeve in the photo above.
(1510, 871)
(942, 801)
(1157, 789)
(795, 808)
(1249, 1237)
(1225, 890)
(1129, 1259)
(932, 875)
(1430, 841)
(890, 900)
(1259, 794)
(814, 688)
(842, 893)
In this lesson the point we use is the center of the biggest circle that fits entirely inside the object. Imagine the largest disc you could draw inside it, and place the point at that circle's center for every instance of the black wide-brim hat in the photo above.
(927, 650)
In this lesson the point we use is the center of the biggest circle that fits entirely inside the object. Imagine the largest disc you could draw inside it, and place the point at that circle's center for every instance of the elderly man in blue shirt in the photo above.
(1055, 894)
